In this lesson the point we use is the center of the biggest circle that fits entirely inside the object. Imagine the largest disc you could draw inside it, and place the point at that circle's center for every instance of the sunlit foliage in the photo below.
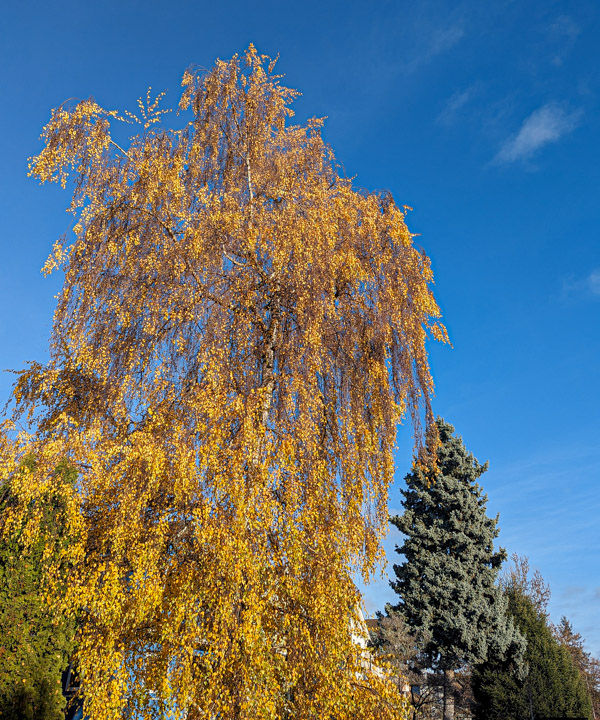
(35, 644)
(239, 333)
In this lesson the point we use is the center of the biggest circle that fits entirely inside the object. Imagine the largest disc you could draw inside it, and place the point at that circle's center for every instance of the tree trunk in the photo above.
(448, 695)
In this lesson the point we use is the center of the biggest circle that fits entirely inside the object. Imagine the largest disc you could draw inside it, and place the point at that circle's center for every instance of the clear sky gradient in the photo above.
(483, 117)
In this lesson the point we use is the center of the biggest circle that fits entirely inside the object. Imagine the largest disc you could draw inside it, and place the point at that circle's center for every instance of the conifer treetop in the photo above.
(447, 582)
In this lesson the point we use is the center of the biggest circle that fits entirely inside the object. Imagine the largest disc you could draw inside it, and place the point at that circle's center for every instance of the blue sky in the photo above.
(484, 117)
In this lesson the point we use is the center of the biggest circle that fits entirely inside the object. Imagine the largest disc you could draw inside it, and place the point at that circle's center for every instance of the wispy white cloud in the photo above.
(545, 125)
(593, 282)
(455, 104)
(437, 40)
(443, 38)
(586, 287)
(563, 31)
(391, 56)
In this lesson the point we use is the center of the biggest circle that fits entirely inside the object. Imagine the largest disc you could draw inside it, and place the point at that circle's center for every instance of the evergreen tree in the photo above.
(34, 646)
(588, 666)
(552, 687)
(447, 583)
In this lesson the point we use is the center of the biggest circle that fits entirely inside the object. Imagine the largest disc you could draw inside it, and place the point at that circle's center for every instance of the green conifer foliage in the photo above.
(552, 686)
(588, 666)
(34, 646)
(447, 584)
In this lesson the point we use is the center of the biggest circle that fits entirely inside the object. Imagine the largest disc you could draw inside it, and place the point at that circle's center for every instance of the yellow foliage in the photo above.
(239, 334)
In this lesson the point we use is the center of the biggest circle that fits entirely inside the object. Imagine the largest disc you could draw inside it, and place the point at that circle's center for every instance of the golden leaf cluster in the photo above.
(239, 334)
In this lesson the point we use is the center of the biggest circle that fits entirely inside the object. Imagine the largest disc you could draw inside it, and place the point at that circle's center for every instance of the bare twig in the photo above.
(120, 148)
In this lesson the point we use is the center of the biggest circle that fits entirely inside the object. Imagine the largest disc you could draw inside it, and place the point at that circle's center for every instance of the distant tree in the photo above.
(35, 645)
(393, 640)
(588, 666)
(552, 685)
(399, 647)
(447, 583)
(519, 574)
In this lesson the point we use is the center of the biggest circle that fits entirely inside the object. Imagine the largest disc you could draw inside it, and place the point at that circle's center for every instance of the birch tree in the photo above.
(239, 333)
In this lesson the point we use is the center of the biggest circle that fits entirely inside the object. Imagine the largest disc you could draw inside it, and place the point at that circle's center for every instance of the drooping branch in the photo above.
(267, 321)
(268, 359)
